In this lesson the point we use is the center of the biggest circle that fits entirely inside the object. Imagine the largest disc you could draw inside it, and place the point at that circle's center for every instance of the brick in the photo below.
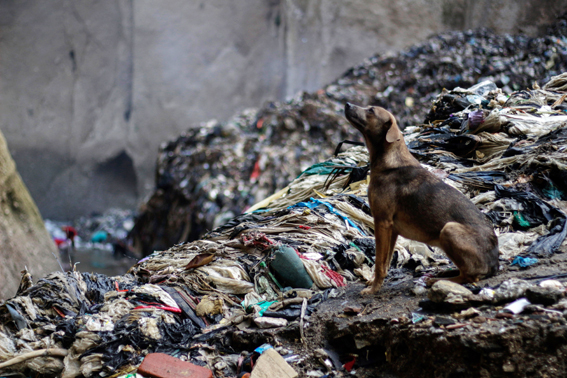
(161, 365)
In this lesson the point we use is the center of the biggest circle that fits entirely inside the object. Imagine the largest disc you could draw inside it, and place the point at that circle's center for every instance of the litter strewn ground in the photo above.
(287, 273)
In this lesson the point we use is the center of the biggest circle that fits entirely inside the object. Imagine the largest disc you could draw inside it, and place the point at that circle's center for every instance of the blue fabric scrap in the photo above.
(524, 262)
(313, 203)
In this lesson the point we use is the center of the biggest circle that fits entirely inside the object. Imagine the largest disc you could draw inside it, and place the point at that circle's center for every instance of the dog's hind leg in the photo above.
(385, 243)
(457, 242)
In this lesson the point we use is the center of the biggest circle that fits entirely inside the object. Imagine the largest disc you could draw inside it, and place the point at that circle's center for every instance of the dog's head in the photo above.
(375, 123)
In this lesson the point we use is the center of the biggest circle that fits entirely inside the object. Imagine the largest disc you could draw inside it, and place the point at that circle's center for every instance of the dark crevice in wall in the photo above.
(117, 175)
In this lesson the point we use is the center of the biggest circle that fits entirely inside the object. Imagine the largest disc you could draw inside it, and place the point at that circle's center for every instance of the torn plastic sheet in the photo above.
(536, 212)
(512, 244)
(483, 179)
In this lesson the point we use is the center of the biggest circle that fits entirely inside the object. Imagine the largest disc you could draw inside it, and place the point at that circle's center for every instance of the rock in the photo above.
(479, 319)
(508, 367)
(455, 299)
(441, 289)
(265, 322)
(467, 314)
(352, 310)
(561, 305)
(443, 321)
(510, 290)
(24, 240)
(552, 283)
(271, 365)
(418, 290)
(546, 296)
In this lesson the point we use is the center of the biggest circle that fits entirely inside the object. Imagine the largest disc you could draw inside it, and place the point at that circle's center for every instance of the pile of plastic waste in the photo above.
(217, 170)
(271, 266)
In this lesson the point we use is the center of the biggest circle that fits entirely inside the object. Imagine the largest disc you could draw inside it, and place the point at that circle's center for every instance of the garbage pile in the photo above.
(271, 267)
(260, 270)
(215, 171)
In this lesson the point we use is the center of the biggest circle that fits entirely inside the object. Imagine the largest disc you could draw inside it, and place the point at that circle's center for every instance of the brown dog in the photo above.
(407, 200)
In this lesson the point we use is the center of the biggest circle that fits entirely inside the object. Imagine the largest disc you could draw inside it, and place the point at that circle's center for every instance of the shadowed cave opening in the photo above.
(116, 181)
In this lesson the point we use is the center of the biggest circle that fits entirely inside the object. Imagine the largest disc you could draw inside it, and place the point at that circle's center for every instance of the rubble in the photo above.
(271, 364)
(441, 290)
(210, 299)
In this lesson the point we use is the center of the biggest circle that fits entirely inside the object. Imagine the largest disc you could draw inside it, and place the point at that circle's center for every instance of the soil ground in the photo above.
(386, 342)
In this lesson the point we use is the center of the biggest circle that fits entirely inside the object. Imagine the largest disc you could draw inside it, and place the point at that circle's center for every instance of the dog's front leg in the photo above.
(385, 242)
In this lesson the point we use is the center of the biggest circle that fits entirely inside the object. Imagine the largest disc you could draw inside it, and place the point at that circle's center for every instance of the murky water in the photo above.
(98, 260)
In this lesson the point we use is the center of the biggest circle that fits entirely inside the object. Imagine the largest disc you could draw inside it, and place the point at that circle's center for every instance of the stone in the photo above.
(546, 296)
(467, 314)
(441, 289)
(552, 283)
(24, 240)
(510, 290)
(272, 365)
(418, 290)
(443, 321)
(265, 322)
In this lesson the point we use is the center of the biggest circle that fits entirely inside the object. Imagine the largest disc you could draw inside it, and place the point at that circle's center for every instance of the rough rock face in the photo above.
(90, 89)
(24, 240)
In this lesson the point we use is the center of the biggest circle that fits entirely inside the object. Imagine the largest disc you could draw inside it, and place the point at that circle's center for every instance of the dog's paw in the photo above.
(367, 291)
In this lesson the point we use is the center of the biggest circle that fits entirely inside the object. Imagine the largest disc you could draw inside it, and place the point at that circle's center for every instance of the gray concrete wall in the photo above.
(89, 90)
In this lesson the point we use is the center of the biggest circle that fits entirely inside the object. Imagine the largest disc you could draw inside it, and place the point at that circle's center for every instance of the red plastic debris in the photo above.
(334, 276)
(166, 308)
(256, 239)
(350, 364)
(256, 171)
(160, 365)
(59, 241)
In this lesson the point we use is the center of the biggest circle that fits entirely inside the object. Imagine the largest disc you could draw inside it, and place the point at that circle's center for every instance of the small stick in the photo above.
(303, 308)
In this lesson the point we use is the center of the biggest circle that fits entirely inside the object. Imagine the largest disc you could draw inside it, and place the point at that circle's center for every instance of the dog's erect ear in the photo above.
(394, 134)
